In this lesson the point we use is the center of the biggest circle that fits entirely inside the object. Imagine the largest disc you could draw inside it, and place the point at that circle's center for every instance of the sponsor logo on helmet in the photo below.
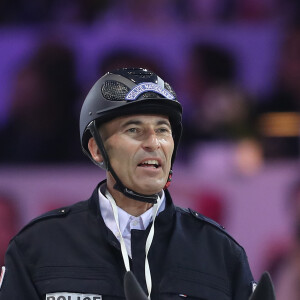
(72, 296)
(148, 87)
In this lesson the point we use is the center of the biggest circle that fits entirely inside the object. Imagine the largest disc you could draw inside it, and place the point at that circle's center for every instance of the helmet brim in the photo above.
(162, 106)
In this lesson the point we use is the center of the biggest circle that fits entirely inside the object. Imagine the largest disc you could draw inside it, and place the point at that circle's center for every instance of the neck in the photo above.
(131, 206)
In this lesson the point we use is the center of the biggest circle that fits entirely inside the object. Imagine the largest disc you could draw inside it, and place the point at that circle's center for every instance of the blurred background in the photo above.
(235, 65)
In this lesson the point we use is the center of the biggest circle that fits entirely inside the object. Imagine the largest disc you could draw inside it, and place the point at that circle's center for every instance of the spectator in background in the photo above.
(234, 11)
(9, 223)
(205, 11)
(217, 109)
(36, 12)
(42, 111)
(156, 15)
(210, 203)
(24, 12)
(156, 12)
(284, 265)
(256, 10)
(90, 10)
(279, 114)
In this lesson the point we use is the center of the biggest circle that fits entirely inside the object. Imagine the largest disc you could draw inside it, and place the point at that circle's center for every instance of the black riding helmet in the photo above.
(122, 92)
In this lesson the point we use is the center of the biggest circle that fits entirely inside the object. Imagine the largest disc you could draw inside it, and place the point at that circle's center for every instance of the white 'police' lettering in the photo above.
(72, 296)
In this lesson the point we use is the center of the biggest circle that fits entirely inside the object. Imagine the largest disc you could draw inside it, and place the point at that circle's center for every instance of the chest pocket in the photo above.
(182, 283)
(82, 280)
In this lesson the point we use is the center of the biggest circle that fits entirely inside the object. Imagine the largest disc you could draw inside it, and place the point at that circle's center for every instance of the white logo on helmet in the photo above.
(148, 87)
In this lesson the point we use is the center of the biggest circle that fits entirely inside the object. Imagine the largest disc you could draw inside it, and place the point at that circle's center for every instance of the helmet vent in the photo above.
(114, 90)
(137, 75)
(141, 75)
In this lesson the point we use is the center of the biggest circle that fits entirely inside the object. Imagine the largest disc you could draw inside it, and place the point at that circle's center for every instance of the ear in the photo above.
(94, 150)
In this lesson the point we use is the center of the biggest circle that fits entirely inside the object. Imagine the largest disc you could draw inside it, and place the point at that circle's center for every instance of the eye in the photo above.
(164, 130)
(133, 130)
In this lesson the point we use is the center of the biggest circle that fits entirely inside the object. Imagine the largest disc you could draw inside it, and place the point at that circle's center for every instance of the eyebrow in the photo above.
(138, 122)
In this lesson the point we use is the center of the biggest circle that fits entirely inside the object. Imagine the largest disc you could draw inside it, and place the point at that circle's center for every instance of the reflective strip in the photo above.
(148, 87)
(72, 296)
(2, 276)
(253, 285)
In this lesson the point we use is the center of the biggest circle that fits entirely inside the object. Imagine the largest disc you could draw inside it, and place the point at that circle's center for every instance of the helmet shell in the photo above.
(127, 92)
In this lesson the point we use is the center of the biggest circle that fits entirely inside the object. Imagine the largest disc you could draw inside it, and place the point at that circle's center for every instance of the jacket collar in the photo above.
(164, 217)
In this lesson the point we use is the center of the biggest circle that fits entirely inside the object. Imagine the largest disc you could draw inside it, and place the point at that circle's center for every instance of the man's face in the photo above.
(140, 149)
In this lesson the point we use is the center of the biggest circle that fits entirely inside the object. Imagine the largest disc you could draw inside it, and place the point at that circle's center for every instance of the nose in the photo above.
(151, 141)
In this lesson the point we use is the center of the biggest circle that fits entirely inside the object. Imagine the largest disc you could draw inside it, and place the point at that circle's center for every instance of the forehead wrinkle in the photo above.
(138, 121)
(132, 122)
(105, 131)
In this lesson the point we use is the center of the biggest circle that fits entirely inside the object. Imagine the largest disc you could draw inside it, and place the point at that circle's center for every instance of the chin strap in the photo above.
(132, 194)
(169, 180)
(119, 186)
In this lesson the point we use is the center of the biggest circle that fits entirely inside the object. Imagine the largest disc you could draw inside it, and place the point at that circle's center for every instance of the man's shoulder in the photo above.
(196, 215)
(47, 219)
(212, 225)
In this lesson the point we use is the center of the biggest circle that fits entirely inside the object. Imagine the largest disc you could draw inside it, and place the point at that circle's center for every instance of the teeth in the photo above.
(150, 162)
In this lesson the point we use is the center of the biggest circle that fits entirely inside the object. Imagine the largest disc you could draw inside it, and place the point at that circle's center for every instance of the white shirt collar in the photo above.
(125, 219)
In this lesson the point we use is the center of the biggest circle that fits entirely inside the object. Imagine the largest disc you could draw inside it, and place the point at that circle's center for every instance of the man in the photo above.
(130, 124)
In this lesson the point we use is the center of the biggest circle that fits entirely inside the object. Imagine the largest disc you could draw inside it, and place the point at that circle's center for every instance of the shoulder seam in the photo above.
(207, 220)
(61, 212)
(57, 213)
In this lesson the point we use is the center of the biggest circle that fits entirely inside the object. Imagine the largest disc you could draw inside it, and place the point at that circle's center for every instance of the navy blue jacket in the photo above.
(71, 250)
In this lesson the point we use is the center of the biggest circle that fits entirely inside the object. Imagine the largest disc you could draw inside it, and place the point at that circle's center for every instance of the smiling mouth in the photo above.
(150, 163)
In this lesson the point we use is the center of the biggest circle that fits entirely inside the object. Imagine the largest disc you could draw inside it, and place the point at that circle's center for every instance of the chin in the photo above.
(149, 189)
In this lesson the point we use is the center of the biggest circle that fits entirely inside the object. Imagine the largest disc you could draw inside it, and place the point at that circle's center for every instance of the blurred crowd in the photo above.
(9, 222)
(283, 254)
(88, 11)
(47, 90)
(42, 117)
(47, 93)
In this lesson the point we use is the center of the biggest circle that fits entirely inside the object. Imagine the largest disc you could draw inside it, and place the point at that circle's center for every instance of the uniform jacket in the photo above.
(69, 254)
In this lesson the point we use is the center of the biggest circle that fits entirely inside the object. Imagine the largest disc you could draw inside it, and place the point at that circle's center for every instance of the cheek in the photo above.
(168, 147)
(120, 153)
(119, 157)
